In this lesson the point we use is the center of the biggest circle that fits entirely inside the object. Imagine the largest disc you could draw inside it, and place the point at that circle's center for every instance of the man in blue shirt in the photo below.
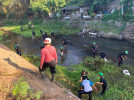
(87, 88)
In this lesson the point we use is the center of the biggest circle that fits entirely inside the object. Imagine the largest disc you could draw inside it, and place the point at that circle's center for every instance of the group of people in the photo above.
(49, 59)
(121, 57)
(88, 85)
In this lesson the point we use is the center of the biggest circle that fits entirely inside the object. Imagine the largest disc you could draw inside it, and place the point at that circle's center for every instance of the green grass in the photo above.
(1, 35)
(120, 86)
(58, 27)
(1, 32)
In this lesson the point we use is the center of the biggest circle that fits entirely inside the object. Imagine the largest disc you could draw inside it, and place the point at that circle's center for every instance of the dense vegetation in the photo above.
(120, 86)
(43, 8)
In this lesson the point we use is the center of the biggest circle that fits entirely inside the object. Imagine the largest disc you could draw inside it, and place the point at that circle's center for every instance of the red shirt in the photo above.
(48, 53)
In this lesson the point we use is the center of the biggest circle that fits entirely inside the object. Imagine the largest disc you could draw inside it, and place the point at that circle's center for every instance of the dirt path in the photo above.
(13, 66)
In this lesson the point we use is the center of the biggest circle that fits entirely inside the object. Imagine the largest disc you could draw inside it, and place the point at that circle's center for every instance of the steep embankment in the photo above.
(13, 66)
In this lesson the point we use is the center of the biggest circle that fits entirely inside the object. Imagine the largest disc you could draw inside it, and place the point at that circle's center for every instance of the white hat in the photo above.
(47, 40)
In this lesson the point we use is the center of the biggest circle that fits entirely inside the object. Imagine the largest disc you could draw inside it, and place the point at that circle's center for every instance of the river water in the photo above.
(77, 48)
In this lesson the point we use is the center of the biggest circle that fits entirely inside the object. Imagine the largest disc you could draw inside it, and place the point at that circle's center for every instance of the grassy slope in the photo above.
(57, 26)
(120, 86)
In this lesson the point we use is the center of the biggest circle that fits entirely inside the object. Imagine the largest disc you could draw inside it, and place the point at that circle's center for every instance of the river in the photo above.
(77, 48)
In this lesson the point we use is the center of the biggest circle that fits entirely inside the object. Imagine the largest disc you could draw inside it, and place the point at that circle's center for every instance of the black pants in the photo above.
(120, 61)
(51, 65)
(83, 92)
(93, 53)
(18, 52)
(103, 89)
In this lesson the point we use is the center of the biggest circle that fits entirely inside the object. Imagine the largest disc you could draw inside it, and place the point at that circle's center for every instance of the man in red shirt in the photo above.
(48, 57)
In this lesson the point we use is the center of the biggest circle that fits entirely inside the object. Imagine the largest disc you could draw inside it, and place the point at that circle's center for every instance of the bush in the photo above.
(21, 91)
(94, 64)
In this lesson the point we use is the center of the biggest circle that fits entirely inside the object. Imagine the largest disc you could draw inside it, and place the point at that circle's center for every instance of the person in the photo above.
(41, 31)
(52, 34)
(32, 26)
(33, 36)
(48, 58)
(87, 88)
(64, 42)
(46, 34)
(122, 57)
(61, 51)
(21, 28)
(42, 45)
(17, 48)
(84, 74)
(93, 49)
(29, 26)
(43, 37)
(103, 83)
(103, 56)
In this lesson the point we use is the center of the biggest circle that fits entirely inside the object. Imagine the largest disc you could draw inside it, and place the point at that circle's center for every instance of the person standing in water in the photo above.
(52, 34)
(61, 51)
(93, 49)
(122, 57)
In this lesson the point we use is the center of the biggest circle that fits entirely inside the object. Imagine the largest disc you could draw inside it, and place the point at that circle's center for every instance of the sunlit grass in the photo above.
(57, 26)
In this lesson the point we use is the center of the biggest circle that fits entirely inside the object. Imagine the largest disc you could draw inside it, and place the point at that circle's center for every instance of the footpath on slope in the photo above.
(13, 66)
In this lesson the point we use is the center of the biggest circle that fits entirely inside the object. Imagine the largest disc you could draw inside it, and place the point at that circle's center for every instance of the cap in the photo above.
(47, 40)
(101, 74)
(126, 52)
(94, 43)
(61, 47)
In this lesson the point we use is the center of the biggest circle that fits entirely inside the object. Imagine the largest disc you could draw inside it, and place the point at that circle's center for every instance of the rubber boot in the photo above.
(52, 78)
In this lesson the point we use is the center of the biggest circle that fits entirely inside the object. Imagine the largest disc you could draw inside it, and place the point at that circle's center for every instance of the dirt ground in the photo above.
(13, 66)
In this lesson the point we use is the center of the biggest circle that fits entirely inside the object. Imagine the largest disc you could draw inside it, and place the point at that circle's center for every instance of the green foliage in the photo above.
(127, 4)
(33, 59)
(1, 35)
(120, 87)
(22, 91)
(94, 64)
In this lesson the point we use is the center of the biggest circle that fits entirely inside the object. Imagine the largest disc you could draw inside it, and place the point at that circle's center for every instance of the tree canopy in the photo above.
(20, 8)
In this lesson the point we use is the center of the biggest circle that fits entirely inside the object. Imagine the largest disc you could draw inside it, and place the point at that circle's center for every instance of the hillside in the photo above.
(13, 66)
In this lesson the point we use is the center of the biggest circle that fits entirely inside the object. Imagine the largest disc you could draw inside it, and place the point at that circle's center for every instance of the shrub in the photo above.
(94, 64)
(21, 91)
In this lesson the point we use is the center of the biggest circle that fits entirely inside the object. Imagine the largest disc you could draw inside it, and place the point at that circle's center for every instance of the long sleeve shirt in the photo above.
(48, 53)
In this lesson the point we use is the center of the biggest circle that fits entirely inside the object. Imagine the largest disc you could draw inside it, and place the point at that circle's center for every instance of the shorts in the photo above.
(51, 65)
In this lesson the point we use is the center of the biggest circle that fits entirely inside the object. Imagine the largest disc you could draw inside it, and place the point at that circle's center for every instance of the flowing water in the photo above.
(77, 48)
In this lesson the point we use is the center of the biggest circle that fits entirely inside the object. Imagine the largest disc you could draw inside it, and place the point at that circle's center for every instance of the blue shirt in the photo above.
(87, 85)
